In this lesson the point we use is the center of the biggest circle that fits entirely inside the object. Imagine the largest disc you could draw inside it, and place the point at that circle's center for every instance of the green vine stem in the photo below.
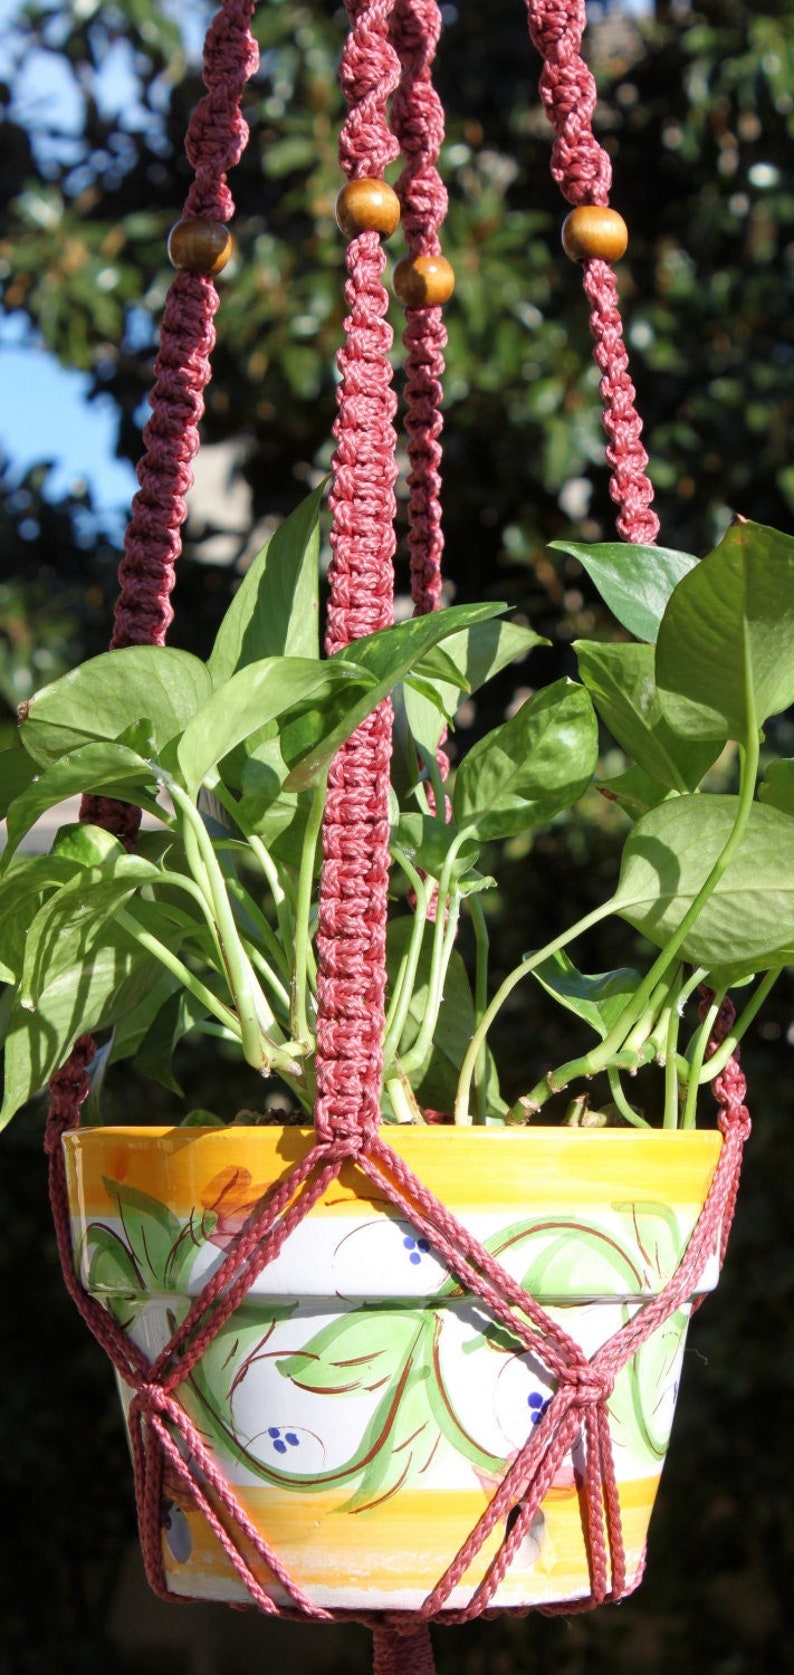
(633, 1014)
(622, 1104)
(255, 1015)
(397, 1014)
(299, 1020)
(481, 946)
(462, 1114)
(716, 1064)
(697, 1055)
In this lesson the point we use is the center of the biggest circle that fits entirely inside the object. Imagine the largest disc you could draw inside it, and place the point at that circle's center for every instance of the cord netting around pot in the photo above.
(344, 1332)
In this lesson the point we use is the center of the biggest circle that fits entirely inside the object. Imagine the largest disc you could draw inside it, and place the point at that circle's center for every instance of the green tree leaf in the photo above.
(777, 789)
(477, 654)
(275, 610)
(259, 693)
(598, 1000)
(531, 768)
(622, 685)
(107, 768)
(635, 582)
(725, 656)
(387, 657)
(112, 692)
(748, 921)
(81, 998)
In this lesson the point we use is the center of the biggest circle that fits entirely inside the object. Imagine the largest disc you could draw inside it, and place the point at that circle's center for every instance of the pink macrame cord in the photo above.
(392, 110)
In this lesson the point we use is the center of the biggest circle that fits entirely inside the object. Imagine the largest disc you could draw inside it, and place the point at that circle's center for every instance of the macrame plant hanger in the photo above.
(392, 111)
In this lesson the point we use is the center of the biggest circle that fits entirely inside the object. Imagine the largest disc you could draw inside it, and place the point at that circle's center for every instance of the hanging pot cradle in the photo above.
(393, 113)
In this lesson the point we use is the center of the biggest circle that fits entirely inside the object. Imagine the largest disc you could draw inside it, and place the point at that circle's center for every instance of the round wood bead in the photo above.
(423, 281)
(367, 206)
(200, 246)
(594, 230)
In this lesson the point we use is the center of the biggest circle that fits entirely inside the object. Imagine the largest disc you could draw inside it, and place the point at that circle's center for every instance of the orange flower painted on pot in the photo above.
(231, 1197)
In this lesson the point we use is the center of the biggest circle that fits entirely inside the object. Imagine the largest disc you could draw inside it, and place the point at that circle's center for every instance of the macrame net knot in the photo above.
(589, 1385)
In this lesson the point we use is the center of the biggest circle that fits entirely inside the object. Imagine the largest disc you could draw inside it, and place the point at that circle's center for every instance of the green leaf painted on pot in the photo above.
(640, 1417)
(635, 582)
(597, 1000)
(111, 1265)
(387, 657)
(567, 1257)
(531, 768)
(159, 1246)
(622, 684)
(275, 611)
(748, 922)
(359, 1351)
(111, 693)
(777, 789)
(108, 769)
(258, 694)
(725, 656)
(403, 1434)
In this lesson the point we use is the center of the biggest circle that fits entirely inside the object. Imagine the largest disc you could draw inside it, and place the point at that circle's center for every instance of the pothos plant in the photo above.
(208, 925)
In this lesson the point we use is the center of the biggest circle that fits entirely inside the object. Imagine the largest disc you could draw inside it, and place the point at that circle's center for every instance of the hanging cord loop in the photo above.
(583, 172)
(389, 52)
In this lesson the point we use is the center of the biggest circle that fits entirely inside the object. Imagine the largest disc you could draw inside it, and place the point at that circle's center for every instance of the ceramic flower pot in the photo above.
(361, 1404)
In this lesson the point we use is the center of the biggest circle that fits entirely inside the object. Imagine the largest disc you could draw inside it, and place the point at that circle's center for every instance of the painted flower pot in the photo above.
(363, 1405)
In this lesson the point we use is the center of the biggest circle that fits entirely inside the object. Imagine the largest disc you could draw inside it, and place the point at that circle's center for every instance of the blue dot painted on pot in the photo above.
(282, 1443)
(537, 1405)
(417, 1248)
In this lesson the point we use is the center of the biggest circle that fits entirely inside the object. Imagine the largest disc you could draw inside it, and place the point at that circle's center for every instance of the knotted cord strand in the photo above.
(351, 936)
(216, 138)
(417, 119)
(583, 172)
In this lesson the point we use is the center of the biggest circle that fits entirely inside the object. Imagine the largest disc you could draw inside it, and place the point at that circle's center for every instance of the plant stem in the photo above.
(399, 1005)
(462, 1114)
(481, 942)
(277, 891)
(603, 1054)
(299, 1021)
(716, 1064)
(699, 1045)
(626, 1110)
(178, 969)
(670, 1119)
(255, 1015)
(444, 933)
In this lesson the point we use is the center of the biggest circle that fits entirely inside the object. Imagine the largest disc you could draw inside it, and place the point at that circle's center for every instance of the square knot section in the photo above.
(588, 1385)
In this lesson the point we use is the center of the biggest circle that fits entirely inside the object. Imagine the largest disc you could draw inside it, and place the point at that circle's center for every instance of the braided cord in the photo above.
(582, 170)
(351, 936)
(417, 118)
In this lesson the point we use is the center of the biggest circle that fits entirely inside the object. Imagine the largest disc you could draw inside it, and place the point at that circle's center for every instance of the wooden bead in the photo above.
(423, 281)
(367, 206)
(594, 230)
(200, 246)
